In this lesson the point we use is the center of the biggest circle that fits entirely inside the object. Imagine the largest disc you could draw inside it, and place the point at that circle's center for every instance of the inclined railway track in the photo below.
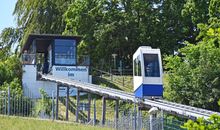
(184, 110)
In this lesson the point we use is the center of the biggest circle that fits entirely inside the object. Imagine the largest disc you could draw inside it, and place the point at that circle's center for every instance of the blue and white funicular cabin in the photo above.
(55, 55)
(147, 73)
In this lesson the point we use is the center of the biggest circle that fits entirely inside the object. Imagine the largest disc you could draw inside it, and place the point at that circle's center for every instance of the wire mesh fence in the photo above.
(19, 105)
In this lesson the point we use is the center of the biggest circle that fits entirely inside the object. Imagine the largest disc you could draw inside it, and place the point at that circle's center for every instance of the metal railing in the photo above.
(28, 59)
(83, 60)
(16, 104)
(125, 81)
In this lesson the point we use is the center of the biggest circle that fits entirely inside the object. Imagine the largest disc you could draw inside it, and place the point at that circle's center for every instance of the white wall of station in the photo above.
(32, 86)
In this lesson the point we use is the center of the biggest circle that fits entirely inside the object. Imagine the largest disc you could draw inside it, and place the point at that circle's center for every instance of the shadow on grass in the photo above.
(99, 80)
(72, 109)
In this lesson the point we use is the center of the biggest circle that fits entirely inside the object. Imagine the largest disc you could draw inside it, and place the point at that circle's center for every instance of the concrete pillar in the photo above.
(103, 109)
(77, 105)
(67, 103)
(116, 113)
(57, 102)
(89, 107)
(94, 120)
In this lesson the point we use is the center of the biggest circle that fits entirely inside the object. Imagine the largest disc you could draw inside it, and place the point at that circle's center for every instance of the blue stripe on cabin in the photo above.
(149, 90)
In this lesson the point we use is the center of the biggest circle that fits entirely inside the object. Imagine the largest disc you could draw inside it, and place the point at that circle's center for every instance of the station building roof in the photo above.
(44, 40)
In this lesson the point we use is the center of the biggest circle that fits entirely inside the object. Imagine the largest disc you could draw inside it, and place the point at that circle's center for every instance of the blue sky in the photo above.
(6, 17)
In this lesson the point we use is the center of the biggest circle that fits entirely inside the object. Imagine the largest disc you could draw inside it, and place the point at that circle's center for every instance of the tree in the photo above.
(10, 69)
(194, 75)
(41, 16)
(11, 74)
(121, 26)
(9, 39)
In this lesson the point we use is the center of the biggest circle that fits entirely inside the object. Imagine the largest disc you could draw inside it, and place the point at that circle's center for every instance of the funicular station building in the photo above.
(55, 55)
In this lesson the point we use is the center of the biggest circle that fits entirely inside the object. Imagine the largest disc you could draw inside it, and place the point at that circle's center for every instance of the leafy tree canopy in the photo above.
(11, 74)
(40, 16)
(121, 26)
(194, 75)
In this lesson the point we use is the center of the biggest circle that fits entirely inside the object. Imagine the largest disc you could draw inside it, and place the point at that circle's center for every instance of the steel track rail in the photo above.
(184, 110)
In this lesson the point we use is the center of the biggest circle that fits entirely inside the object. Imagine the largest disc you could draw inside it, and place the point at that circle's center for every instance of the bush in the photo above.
(43, 105)
(213, 123)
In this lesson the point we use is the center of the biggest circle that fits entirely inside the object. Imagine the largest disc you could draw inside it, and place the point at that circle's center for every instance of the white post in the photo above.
(153, 113)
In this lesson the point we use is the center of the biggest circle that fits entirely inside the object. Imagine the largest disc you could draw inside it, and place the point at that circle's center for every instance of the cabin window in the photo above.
(137, 66)
(151, 65)
(65, 52)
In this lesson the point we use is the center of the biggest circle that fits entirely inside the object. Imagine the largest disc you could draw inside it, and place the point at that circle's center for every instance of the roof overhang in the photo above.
(42, 40)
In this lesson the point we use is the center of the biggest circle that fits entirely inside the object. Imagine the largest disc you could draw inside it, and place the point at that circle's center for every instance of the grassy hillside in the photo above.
(16, 123)
(104, 81)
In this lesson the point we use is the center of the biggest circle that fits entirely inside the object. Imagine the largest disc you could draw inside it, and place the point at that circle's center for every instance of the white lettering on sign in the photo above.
(70, 69)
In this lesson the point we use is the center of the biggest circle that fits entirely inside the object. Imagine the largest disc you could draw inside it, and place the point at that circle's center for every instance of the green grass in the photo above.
(18, 123)
(105, 82)
(124, 83)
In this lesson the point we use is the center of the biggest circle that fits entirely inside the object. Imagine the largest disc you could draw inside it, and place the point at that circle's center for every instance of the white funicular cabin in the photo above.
(55, 55)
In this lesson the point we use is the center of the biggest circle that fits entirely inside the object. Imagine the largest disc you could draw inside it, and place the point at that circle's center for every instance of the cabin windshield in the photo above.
(151, 65)
(65, 52)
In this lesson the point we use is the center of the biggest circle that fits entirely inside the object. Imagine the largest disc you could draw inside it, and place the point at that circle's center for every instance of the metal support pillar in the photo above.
(57, 102)
(103, 109)
(162, 119)
(53, 104)
(135, 118)
(89, 107)
(116, 113)
(67, 103)
(9, 100)
(94, 120)
(139, 120)
(77, 105)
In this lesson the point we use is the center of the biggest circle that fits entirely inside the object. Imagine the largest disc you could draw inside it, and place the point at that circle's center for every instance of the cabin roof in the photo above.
(43, 38)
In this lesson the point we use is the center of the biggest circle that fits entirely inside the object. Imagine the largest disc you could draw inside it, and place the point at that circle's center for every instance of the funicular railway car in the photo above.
(147, 73)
